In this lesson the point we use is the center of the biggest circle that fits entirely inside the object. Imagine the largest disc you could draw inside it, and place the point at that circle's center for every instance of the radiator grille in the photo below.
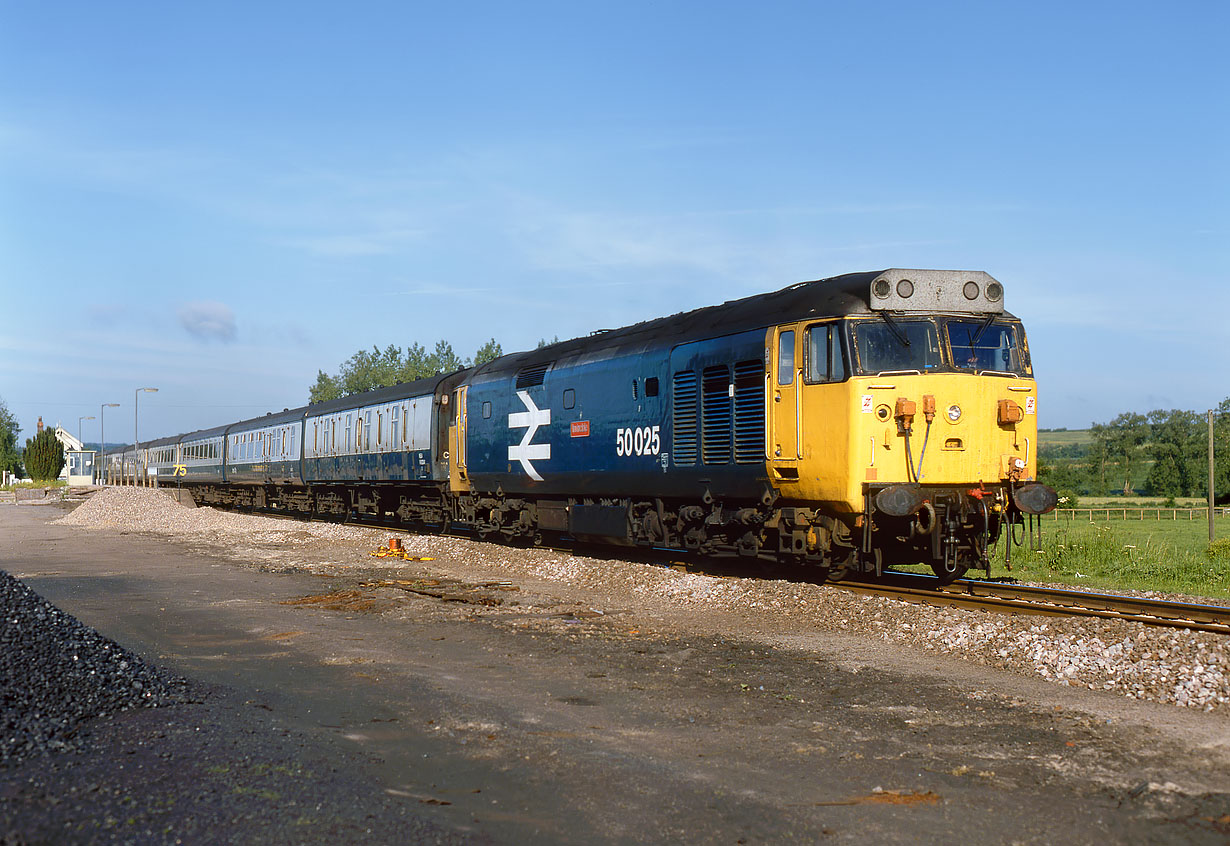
(749, 412)
(715, 415)
(683, 434)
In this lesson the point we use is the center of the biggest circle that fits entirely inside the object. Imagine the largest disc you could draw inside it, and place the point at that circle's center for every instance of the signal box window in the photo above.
(825, 360)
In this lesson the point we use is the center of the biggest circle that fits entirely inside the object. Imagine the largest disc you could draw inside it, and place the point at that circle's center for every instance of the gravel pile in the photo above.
(56, 673)
(1190, 669)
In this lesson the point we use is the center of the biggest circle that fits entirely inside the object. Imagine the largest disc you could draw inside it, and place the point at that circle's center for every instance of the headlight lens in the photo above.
(954, 413)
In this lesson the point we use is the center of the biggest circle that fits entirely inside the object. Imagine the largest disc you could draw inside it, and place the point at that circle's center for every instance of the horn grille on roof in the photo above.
(936, 290)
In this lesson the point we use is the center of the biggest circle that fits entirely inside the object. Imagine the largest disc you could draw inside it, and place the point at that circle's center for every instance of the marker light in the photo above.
(971, 290)
(994, 291)
(882, 288)
(954, 413)
(905, 288)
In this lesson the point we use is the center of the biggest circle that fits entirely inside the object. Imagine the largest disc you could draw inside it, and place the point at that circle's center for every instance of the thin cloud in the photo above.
(208, 321)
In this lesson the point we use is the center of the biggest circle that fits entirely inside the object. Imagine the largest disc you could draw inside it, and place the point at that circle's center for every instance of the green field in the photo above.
(1164, 556)
(1068, 437)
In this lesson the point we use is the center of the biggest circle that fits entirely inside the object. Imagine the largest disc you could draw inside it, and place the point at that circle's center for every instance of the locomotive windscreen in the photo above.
(892, 345)
(985, 346)
(896, 345)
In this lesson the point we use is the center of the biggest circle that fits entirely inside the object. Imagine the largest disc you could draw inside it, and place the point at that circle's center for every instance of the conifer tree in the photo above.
(44, 456)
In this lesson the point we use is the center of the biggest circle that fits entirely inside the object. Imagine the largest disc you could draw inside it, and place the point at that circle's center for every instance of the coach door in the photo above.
(785, 397)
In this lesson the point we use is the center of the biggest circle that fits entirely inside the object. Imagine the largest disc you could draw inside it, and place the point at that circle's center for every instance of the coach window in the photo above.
(785, 358)
(570, 398)
(824, 354)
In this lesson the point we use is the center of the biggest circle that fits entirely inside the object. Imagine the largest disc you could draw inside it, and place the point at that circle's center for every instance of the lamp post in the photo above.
(102, 426)
(136, 443)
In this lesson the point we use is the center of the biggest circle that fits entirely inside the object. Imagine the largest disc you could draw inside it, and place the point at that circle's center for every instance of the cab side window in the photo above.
(825, 359)
(785, 358)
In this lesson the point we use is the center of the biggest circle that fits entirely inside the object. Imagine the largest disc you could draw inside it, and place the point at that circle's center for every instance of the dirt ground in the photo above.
(455, 700)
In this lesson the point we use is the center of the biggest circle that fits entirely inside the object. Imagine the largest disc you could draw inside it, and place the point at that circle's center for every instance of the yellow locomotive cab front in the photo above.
(915, 422)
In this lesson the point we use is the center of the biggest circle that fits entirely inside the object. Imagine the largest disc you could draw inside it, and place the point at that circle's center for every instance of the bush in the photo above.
(44, 456)
(1068, 499)
(1219, 550)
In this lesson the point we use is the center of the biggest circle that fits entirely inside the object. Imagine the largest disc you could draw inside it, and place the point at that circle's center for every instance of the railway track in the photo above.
(924, 590)
(1029, 599)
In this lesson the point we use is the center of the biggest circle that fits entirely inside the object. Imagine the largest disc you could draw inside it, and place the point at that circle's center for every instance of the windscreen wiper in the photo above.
(985, 324)
(897, 333)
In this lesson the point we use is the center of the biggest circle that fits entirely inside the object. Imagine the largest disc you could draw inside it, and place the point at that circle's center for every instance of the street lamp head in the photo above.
(110, 405)
(150, 390)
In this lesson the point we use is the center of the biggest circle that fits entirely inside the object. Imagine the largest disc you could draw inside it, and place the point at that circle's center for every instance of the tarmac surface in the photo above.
(326, 712)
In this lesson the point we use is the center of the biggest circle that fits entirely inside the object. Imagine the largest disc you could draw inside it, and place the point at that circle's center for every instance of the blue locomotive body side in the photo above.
(612, 423)
(555, 433)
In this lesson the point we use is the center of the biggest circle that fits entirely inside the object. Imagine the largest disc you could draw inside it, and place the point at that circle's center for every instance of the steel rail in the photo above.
(1055, 602)
(924, 590)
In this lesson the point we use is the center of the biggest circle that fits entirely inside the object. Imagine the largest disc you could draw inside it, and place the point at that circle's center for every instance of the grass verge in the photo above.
(1117, 555)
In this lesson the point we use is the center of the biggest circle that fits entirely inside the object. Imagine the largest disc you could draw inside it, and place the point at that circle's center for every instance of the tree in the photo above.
(44, 456)
(10, 455)
(1127, 434)
(1221, 452)
(1099, 457)
(326, 388)
(367, 370)
(1174, 444)
(489, 351)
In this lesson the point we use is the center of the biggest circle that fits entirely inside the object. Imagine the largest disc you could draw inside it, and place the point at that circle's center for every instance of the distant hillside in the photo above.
(1064, 437)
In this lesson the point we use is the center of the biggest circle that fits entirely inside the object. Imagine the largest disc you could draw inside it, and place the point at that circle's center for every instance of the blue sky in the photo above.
(222, 199)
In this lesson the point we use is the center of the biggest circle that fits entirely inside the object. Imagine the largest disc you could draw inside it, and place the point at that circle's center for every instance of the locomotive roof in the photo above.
(836, 296)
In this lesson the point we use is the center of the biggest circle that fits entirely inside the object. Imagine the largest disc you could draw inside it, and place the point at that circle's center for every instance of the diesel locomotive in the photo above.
(845, 424)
